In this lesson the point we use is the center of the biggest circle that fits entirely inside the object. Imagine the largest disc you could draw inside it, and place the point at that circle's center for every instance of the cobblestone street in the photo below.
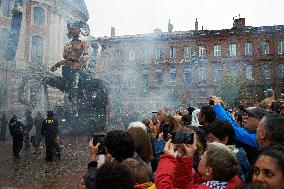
(33, 172)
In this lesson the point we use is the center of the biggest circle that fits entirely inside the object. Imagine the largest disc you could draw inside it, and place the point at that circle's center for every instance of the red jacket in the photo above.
(176, 173)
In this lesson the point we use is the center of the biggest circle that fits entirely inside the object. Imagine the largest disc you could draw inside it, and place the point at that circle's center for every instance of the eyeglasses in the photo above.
(246, 116)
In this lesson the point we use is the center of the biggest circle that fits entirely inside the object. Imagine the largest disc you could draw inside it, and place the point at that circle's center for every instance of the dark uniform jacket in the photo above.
(50, 128)
(16, 129)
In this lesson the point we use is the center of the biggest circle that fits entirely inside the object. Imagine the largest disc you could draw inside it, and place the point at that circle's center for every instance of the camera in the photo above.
(100, 138)
(182, 137)
(211, 102)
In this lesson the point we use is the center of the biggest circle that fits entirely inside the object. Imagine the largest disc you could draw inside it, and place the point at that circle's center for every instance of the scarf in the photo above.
(216, 184)
(147, 185)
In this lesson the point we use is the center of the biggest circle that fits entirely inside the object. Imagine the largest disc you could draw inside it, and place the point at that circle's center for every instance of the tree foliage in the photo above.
(232, 90)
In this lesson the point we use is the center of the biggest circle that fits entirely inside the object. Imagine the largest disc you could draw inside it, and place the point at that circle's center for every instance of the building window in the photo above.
(38, 15)
(249, 72)
(158, 53)
(131, 78)
(280, 47)
(202, 73)
(201, 50)
(187, 75)
(159, 76)
(248, 49)
(232, 49)
(145, 76)
(217, 73)
(37, 51)
(203, 93)
(233, 70)
(265, 72)
(217, 50)
(173, 73)
(103, 47)
(117, 52)
(173, 52)
(281, 72)
(144, 54)
(5, 5)
(173, 96)
(131, 94)
(131, 55)
(187, 52)
(265, 48)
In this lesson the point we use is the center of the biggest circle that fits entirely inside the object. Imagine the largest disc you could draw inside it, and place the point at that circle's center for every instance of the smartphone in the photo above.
(100, 138)
(154, 117)
(165, 131)
(182, 137)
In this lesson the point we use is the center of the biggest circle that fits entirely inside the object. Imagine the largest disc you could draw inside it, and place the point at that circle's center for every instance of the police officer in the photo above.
(50, 131)
(16, 131)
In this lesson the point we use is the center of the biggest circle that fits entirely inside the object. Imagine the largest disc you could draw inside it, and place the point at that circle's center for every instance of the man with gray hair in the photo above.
(270, 130)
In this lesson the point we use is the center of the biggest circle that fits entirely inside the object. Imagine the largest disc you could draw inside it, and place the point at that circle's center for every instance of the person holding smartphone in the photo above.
(217, 167)
(118, 147)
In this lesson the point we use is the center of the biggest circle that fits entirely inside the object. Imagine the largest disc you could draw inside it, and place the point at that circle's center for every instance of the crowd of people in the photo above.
(239, 149)
(211, 147)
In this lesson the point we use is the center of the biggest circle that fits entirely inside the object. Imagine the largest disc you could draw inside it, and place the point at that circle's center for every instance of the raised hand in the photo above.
(215, 99)
(169, 148)
(93, 150)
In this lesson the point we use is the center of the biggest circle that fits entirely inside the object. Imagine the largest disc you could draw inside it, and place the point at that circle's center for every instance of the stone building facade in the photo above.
(176, 68)
(41, 42)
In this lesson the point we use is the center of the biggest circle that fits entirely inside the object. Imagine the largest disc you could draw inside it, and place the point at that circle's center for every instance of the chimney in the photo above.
(202, 28)
(196, 25)
(170, 27)
(239, 23)
(112, 34)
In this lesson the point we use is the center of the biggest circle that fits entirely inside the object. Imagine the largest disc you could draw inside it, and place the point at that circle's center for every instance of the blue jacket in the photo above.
(241, 134)
(159, 148)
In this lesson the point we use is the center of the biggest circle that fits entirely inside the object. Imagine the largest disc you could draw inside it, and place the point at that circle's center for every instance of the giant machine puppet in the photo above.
(87, 95)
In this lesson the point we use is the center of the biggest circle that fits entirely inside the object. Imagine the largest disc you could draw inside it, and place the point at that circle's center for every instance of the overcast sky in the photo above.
(142, 16)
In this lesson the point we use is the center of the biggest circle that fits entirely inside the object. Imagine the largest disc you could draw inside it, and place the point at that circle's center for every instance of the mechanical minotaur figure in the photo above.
(88, 96)
(76, 54)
